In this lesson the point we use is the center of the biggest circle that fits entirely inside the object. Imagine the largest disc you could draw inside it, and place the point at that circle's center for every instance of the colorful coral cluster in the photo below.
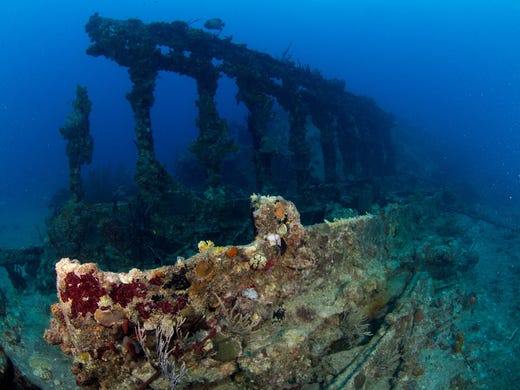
(276, 313)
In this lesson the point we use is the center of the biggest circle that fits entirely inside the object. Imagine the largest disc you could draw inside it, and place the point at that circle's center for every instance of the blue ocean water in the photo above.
(448, 70)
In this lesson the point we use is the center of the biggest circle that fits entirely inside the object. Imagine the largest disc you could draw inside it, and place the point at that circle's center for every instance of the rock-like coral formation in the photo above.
(293, 307)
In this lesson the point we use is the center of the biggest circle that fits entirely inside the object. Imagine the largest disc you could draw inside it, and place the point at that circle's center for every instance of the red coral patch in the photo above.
(156, 280)
(123, 293)
(168, 308)
(144, 309)
(84, 291)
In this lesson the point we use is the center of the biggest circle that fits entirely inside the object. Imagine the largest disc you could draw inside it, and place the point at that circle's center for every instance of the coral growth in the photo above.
(83, 292)
(223, 317)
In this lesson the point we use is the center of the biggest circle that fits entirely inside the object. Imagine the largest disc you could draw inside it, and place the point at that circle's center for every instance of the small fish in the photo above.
(214, 24)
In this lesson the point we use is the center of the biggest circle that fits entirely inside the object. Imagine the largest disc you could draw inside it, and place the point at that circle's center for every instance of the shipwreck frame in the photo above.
(354, 131)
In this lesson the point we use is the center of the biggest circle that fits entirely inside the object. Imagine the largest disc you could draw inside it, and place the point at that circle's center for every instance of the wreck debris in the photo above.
(79, 141)
(167, 213)
(356, 124)
(283, 325)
